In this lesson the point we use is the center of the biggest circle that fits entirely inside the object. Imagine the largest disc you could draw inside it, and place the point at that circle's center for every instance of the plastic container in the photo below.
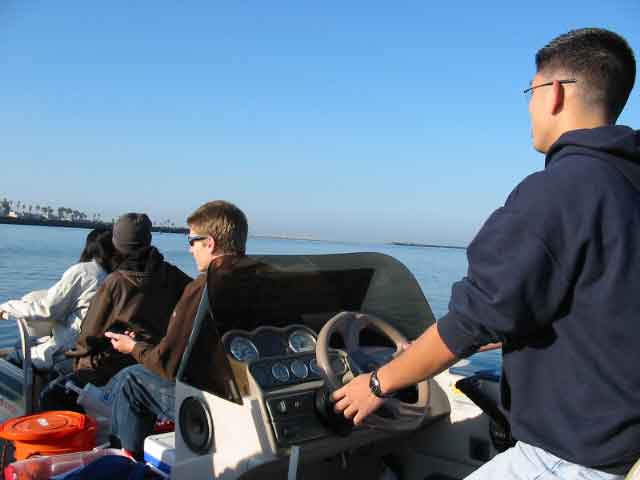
(50, 433)
(94, 400)
(160, 452)
(97, 403)
(42, 468)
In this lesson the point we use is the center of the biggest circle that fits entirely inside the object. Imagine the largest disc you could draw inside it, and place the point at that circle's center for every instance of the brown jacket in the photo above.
(165, 357)
(141, 301)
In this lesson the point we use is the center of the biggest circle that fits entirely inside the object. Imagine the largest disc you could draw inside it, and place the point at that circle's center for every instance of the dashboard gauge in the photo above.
(243, 349)
(299, 369)
(313, 365)
(302, 341)
(280, 372)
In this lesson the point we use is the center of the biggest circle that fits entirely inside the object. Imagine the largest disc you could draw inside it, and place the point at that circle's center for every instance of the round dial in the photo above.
(280, 372)
(302, 341)
(299, 369)
(313, 365)
(243, 349)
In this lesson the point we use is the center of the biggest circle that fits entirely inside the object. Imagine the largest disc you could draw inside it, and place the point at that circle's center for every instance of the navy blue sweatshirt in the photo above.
(555, 276)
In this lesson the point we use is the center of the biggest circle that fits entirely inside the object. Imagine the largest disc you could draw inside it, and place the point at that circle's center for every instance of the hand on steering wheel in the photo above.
(356, 399)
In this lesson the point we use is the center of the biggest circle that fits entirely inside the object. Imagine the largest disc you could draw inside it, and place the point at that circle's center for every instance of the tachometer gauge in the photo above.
(243, 349)
(302, 341)
(299, 369)
(280, 372)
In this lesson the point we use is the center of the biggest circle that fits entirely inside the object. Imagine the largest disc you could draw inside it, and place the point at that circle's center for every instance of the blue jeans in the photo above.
(526, 462)
(141, 398)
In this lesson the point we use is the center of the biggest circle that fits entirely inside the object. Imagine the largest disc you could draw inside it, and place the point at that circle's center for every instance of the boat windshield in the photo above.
(280, 290)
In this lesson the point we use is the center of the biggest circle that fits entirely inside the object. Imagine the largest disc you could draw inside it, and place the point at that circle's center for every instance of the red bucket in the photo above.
(50, 433)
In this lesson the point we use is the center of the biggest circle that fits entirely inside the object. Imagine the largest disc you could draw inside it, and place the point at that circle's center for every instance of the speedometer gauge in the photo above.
(243, 349)
(302, 341)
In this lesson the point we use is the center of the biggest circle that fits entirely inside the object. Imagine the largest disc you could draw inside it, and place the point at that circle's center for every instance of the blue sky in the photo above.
(360, 121)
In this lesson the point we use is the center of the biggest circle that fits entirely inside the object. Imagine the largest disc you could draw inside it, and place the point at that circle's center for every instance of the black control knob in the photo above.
(336, 422)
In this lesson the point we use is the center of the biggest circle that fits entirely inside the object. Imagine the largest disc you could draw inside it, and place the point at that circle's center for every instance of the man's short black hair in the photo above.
(601, 61)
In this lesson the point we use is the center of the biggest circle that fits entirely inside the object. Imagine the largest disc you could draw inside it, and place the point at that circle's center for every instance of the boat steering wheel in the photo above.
(395, 414)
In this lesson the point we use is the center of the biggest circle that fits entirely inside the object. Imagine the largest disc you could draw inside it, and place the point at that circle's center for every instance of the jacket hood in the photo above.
(153, 267)
(615, 140)
(616, 144)
(137, 279)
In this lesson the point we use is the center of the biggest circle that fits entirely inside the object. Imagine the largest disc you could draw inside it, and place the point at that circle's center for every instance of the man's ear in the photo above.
(211, 244)
(557, 98)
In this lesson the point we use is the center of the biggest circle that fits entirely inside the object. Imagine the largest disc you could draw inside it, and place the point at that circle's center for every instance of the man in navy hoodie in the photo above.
(554, 275)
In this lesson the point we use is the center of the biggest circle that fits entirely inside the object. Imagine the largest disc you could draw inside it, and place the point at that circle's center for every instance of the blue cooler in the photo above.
(160, 452)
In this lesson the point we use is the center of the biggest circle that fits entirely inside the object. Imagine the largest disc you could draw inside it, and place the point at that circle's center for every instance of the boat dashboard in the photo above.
(278, 366)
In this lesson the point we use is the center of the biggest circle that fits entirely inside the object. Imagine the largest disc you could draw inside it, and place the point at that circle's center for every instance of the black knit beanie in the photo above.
(132, 232)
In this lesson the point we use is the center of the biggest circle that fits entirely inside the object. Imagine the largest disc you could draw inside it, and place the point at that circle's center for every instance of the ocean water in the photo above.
(34, 258)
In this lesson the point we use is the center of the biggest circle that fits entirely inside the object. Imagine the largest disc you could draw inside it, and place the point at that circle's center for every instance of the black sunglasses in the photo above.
(195, 238)
(530, 89)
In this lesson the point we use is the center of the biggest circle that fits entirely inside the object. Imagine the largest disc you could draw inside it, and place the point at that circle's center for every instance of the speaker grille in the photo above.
(196, 425)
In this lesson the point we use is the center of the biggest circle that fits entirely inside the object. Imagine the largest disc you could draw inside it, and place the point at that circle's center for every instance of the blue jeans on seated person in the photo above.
(141, 398)
(526, 462)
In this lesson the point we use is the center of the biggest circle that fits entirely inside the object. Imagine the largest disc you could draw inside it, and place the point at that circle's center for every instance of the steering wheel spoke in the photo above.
(350, 332)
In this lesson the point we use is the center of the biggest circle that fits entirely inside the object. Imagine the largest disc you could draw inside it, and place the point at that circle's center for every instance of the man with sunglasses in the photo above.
(554, 276)
(217, 240)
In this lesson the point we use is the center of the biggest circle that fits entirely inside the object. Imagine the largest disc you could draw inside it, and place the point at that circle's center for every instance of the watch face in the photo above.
(374, 384)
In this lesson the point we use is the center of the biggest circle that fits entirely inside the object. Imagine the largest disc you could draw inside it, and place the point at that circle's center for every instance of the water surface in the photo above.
(34, 257)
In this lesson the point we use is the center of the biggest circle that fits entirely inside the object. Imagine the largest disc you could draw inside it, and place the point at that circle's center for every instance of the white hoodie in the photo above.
(58, 312)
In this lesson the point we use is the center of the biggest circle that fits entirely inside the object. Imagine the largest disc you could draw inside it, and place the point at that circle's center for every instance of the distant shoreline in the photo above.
(425, 245)
(183, 231)
(38, 222)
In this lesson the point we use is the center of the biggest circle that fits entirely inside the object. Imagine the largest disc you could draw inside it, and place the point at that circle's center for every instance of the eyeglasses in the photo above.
(529, 90)
(195, 238)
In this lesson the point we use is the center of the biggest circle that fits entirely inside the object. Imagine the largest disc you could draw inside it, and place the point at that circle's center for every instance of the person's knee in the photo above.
(131, 388)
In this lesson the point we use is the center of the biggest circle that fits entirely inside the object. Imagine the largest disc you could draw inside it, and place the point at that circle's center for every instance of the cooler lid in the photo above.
(51, 424)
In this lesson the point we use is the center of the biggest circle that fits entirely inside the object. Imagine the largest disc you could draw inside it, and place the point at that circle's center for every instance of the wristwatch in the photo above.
(374, 385)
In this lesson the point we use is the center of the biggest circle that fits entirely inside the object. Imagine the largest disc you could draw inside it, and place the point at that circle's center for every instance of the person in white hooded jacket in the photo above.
(54, 316)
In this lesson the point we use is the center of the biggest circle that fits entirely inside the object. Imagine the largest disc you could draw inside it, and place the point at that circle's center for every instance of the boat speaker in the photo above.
(196, 425)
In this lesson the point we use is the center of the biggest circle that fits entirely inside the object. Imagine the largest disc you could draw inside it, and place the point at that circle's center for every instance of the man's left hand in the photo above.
(122, 343)
(355, 400)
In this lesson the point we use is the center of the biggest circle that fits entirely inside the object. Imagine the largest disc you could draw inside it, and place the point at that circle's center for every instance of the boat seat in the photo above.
(33, 379)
